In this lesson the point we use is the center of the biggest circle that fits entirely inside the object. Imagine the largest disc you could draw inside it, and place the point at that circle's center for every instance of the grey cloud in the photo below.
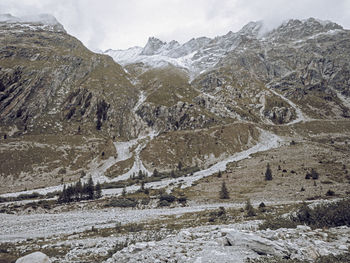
(120, 24)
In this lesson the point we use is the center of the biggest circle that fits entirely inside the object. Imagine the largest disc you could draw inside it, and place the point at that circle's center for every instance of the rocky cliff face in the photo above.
(49, 79)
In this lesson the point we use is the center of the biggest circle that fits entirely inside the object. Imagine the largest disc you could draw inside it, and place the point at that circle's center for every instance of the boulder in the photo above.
(257, 244)
(36, 257)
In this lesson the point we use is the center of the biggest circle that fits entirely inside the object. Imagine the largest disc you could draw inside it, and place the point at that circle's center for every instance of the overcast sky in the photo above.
(119, 24)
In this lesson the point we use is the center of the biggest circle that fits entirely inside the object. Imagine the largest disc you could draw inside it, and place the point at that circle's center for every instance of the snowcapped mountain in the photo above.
(200, 54)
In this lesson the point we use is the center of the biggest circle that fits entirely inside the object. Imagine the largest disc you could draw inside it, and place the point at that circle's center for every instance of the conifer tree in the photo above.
(142, 188)
(78, 190)
(155, 173)
(90, 189)
(179, 166)
(98, 191)
(224, 192)
(268, 173)
(63, 196)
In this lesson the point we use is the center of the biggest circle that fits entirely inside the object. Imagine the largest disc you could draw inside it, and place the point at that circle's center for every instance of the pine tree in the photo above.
(224, 192)
(155, 173)
(179, 166)
(142, 188)
(172, 174)
(90, 189)
(69, 193)
(78, 190)
(63, 195)
(124, 191)
(98, 191)
(268, 173)
(141, 175)
(219, 174)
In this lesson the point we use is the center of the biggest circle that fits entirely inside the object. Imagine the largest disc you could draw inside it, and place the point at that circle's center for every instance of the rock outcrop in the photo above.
(36, 257)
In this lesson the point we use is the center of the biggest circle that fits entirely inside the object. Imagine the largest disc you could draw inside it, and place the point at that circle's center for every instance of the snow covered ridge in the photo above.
(33, 22)
(200, 54)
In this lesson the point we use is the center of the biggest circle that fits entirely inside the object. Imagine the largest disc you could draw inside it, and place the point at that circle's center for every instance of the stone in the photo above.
(260, 245)
(36, 257)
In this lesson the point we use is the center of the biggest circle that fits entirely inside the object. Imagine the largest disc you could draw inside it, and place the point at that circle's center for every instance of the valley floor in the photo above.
(206, 228)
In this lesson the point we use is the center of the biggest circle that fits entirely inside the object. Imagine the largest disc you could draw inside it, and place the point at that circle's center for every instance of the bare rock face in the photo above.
(279, 115)
(36, 257)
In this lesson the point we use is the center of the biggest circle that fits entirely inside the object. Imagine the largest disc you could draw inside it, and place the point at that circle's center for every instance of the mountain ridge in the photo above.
(185, 55)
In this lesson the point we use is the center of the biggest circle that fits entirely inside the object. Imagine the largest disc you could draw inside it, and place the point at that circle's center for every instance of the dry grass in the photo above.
(198, 147)
(245, 179)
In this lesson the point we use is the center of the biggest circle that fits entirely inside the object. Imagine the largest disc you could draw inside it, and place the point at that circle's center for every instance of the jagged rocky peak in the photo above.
(153, 46)
(252, 29)
(33, 22)
(190, 46)
(298, 29)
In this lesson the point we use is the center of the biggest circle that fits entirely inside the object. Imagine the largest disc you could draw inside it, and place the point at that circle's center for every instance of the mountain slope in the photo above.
(49, 78)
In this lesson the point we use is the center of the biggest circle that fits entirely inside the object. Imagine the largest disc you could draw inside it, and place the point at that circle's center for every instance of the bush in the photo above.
(262, 207)
(145, 201)
(167, 197)
(277, 222)
(314, 174)
(163, 203)
(249, 209)
(182, 199)
(330, 193)
(219, 214)
(324, 215)
(122, 202)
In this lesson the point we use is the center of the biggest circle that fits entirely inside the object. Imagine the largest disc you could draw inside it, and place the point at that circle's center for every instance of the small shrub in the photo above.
(122, 202)
(314, 174)
(219, 214)
(330, 193)
(134, 227)
(62, 171)
(277, 222)
(262, 205)
(324, 215)
(163, 203)
(145, 201)
(182, 199)
(167, 197)
(249, 209)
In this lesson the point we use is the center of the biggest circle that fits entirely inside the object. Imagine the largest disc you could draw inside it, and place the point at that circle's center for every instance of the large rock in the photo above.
(257, 244)
(36, 257)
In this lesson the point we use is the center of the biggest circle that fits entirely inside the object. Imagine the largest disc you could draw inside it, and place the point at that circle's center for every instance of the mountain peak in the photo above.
(252, 28)
(48, 21)
(152, 46)
(300, 29)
